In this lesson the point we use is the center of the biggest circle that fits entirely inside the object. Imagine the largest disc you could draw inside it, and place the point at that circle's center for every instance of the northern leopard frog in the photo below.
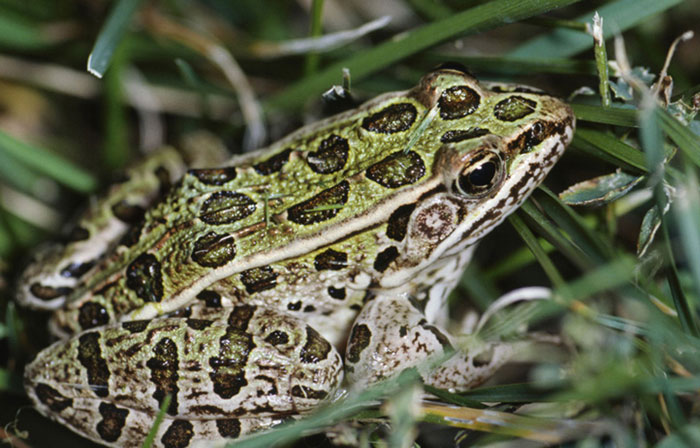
(234, 290)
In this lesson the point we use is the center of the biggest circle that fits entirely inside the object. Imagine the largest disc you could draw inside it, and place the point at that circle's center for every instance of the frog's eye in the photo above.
(480, 175)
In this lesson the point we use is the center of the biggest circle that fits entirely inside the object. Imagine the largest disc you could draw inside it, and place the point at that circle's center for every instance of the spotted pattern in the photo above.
(331, 259)
(164, 367)
(228, 369)
(307, 392)
(277, 337)
(77, 270)
(198, 324)
(128, 213)
(457, 102)
(316, 348)
(514, 108)
(337, 293)
(331, 155)
(211, 298)
(112, 423)
(132, 235)
(92, 315)
(144, 277)
(398, 222)
(90, 356)
(321, 207)
(385, 257)
(360, 337)
(395, 118)
(52, 398)
(396, 170)
(214, 249)
(48, 292)
(229, 428)
(463, 134)
(136, 326)
(536, 134)
(226, 207)
(259, 279)
(273, 164)
(214, 176)
(178, 435)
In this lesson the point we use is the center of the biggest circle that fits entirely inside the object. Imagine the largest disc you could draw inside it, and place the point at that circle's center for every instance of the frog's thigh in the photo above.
(391, 335)
(249, 362)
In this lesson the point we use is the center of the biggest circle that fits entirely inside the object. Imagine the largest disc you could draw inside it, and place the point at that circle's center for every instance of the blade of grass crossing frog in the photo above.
(150, 438)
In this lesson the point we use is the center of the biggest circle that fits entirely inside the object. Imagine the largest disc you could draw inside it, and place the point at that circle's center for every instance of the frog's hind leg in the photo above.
(391, 335)
(244, 362)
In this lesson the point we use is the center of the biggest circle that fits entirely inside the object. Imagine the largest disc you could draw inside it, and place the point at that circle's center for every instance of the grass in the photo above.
(615, 361)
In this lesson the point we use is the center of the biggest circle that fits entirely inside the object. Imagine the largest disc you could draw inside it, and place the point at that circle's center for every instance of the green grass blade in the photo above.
(368, 61)
(606, 115)
(537, 250)
(618, 15)
(687, 142)
(111, 35)
(611, 149)
(49, 164)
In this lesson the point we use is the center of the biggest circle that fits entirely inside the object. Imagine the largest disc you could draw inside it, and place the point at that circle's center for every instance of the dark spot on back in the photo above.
(457, 102)
(277, 337)
(198, 324)
(307, 392)
(359, 340)
(164, 366)
(331, 155)
(48, 292)
(274, 163)
(52, 398)
(92, 315)
(322, 207)
(398, 222)
(136, 326)
(316, 348)
(331, 259)
(259, 279)
(385, 257)
(336, 293)
(514, 108)
(77, 270)
(143, 276)
(226, 207)
(396, 170)
(229, 428)
(459, 135)
(90, 356)
(394, 118)
(228, 369)
(240, 316)
(112, 423)
(178, 435)
(214, 249)
(211, 298)
(214, 176)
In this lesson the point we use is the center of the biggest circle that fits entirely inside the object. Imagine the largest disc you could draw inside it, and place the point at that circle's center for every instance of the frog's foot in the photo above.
(249, 363)
(391, 335)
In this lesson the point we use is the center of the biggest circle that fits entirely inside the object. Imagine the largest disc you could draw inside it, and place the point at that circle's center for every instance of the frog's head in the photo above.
(496, 144)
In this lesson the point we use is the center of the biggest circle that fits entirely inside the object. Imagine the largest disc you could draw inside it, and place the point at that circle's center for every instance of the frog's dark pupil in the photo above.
(483, 175)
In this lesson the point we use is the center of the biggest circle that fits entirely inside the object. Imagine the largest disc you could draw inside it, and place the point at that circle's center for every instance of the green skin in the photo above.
(321, 240)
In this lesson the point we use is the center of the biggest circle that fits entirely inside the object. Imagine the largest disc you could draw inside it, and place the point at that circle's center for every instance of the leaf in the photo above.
(600, 190)
(110, 36)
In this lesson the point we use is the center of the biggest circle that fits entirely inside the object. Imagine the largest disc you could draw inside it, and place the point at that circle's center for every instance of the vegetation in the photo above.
(613, 359)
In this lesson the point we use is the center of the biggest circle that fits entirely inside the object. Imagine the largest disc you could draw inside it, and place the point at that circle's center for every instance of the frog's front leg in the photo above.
(245, 370)
(391, 334)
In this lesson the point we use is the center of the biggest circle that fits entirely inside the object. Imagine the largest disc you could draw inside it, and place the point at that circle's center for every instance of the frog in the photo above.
(238, 296)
